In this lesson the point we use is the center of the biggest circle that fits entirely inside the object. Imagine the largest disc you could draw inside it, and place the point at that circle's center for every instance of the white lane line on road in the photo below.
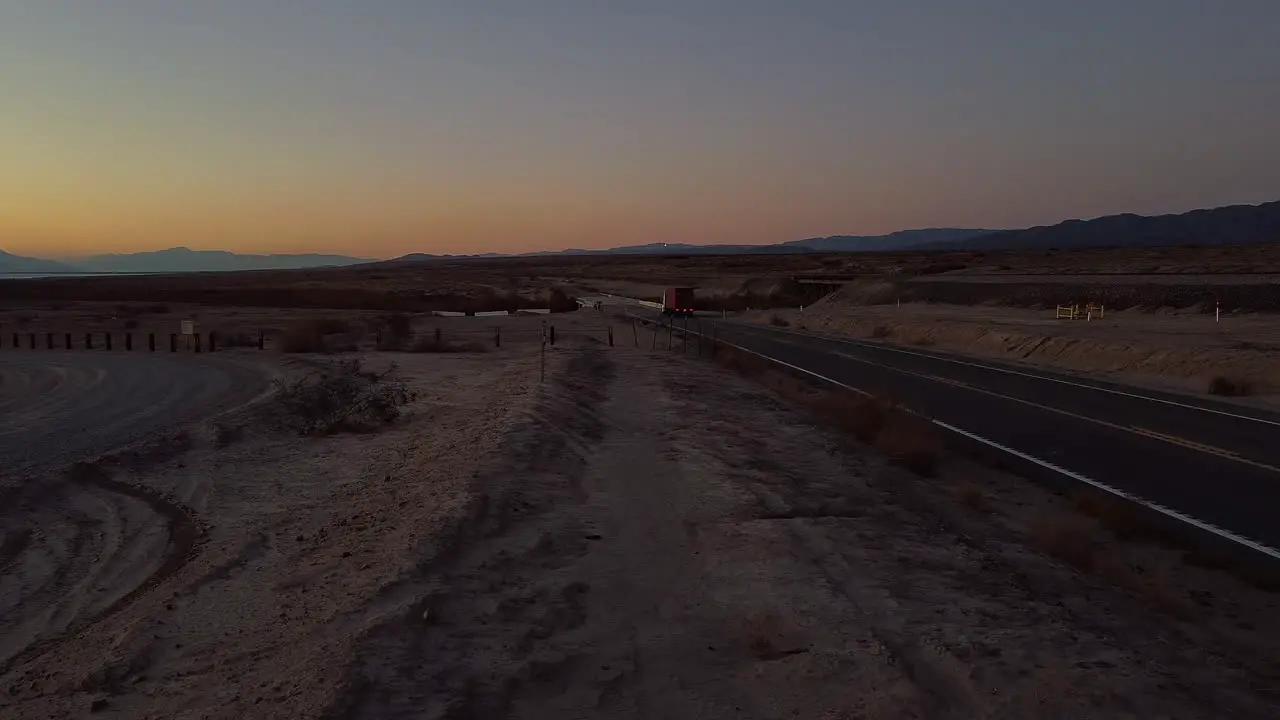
(1010, 371)
(1167, 511)
(1157, 507)
(1171, 439)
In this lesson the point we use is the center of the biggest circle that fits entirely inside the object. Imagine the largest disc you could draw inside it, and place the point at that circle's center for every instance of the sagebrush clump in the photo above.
(342, 398)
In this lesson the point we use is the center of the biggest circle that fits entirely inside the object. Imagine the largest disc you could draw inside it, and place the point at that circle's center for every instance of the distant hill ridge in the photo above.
(1230, 225)
(173, 260)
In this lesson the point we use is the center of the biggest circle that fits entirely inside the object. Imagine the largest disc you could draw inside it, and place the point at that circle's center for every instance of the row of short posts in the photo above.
(50, 344)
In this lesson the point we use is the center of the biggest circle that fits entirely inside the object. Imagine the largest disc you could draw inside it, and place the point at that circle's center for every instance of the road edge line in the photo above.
(946, 357)
(1226, 540)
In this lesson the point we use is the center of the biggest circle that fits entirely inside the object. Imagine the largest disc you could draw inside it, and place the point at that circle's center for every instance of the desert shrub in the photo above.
(311, 336)
(1066, 538)
(398, 324)
(864, 418)
(560, 302)
(779, 321)
(941, 267)
(230, 340)
(910, 441)
(881, 331)
(1229, 387)
(342, 397)
(395, 332)
(432, 344)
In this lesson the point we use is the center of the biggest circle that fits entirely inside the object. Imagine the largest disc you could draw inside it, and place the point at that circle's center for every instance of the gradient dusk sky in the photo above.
(385, 127)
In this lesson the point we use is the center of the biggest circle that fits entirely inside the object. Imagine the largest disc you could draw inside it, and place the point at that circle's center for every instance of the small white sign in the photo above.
(188, 327)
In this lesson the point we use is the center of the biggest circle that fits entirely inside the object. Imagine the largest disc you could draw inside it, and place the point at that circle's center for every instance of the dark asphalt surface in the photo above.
(1216, 462)
(60, 407)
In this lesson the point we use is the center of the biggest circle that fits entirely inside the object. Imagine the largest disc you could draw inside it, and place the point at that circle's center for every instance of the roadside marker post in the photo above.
(17, 341)
(151, 342)
(195, 338)
(128, 342)
(108, 341)
(1217, 309)
(173, 342)
(213, 342)
(610, 336)
(31, 340)
(67, 338)
(88, 341)
(497, 336)
(262, 342)
(48, 340)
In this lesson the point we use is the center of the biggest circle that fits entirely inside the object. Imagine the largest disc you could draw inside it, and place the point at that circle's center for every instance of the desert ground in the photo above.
(603, 530)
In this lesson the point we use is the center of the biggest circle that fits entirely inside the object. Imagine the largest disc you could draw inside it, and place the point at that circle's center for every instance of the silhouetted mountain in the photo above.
(901, 240)
(10, 264)
(179, 260)
(1231, 225)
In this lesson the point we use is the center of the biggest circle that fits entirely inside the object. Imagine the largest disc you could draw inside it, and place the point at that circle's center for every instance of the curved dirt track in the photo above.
(76, 546)
(58, 408)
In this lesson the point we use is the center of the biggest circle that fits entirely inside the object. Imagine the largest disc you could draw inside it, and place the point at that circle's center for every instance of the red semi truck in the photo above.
(677, 301)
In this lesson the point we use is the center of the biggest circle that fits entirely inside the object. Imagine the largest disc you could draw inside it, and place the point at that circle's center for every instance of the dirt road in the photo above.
(57, 408)
(661, 540)
(75, 547)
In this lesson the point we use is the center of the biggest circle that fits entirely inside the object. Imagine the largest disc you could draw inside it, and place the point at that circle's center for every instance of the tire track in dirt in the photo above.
(79, 547)
(71, 598)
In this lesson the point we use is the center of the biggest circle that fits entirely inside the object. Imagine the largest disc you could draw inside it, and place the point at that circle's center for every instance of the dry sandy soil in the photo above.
(1177, 350)
(643, 535)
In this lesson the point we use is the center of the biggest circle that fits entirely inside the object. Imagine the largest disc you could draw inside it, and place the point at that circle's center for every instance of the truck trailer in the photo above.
(677, 301)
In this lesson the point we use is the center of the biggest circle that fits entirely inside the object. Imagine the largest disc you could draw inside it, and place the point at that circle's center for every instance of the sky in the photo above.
(385, 127)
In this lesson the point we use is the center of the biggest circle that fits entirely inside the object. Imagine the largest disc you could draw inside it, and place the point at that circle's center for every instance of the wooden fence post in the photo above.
(88, 341)
(108, 341)
(151, 342)
(31, 340)
(497, 337)
(173, 342)
(68, 339)
(213, 341)
(553, 334)
(610, 336)
(128, 342)
(48, 340)
(262, 342)
(17, 341)
(195, 337)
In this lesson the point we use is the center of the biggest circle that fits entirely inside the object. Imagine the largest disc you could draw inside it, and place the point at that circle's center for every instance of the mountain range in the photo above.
(173, 260)
(1230, 225)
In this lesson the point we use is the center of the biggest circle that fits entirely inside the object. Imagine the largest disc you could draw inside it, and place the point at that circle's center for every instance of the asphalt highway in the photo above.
(1214, 462)
(58, 407)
